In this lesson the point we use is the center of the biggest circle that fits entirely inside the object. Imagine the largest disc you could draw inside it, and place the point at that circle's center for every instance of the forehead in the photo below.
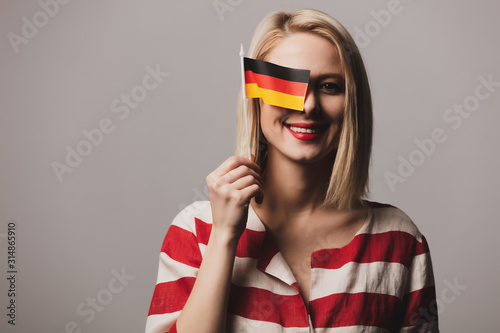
(306, 51)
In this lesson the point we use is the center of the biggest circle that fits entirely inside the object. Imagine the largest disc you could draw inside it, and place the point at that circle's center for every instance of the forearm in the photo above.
(205, 309)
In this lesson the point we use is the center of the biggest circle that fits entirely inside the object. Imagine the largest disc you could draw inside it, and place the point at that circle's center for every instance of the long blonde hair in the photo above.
(349, 177)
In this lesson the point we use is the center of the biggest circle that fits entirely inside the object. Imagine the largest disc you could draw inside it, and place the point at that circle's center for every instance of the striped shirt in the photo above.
(381, 281)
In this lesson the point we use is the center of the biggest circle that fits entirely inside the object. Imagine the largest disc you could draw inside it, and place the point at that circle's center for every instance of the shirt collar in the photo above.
(270, 259)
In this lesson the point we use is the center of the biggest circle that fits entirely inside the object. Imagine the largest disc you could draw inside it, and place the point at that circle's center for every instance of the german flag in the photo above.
(276, 85)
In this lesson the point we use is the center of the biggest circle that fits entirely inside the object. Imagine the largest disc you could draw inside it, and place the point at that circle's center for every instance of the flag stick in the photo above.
(244, 95)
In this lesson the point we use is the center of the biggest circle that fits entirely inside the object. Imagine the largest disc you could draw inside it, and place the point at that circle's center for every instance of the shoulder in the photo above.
(389, 218)
(398, 236)
(193, 214)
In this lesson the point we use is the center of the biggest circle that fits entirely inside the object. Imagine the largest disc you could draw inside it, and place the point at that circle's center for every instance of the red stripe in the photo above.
(421, 306)
(259, 304)
(258, 245)
(203, 231)
(170, 297)
(393, 246)
(248, 246)
(346, 309)
(181, 245)
(268, 251)
(273, 83)
(173, 329)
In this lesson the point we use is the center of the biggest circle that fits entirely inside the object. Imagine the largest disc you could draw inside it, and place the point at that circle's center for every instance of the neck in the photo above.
(293, 189)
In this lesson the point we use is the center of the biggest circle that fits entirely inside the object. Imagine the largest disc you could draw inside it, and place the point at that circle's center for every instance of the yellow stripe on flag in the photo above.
(275, 97)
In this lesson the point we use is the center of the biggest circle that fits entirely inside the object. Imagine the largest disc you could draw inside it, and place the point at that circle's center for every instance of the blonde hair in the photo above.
(349, 178)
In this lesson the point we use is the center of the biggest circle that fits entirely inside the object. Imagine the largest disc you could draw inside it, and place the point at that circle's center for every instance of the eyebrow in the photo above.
(338, 76)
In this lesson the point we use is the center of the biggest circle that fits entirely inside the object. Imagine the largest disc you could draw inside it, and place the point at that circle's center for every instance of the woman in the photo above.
(286, 242)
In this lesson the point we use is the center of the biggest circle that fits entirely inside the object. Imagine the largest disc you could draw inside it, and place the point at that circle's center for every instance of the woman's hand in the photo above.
(230, 187)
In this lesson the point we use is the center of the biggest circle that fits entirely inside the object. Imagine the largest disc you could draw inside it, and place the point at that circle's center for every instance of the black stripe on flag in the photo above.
(280, 72)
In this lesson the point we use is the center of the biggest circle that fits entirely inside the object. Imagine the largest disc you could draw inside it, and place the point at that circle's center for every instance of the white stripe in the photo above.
(161, 323)
(376, 277)
(203, 211)
(171, 270)
(280, 269)
(203, 248)
(431, 327)
(199, 209)
(246, 274)
(421, 274)
(392, 219)
(241, 324)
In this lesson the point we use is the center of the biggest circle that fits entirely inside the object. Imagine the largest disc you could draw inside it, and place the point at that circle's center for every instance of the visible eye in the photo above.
(331, 88)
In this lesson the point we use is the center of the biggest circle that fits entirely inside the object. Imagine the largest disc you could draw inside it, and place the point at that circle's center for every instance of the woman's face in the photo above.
(324, 102)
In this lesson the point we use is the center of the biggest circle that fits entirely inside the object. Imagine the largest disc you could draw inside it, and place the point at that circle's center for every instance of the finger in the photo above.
(244, 182)
(240, 172)
(252, 191)
(234, 162)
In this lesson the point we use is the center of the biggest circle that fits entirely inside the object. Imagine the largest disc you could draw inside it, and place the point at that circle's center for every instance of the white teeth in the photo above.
(304, 130)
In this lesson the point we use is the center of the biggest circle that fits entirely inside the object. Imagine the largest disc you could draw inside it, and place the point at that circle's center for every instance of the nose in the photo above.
(311, 102)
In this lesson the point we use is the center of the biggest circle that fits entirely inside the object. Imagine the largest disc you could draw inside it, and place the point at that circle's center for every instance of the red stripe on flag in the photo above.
(273, 83)
(181, 245)
(346, 309)
(259, 304)
(170, 297)
(393, 246)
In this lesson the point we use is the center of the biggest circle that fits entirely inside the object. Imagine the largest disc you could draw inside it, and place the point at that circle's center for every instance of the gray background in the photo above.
(113, 210)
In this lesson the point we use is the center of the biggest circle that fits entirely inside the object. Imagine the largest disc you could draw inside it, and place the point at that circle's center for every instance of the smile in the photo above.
(306, 131)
